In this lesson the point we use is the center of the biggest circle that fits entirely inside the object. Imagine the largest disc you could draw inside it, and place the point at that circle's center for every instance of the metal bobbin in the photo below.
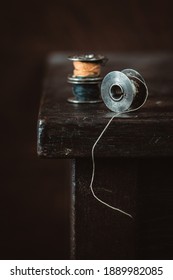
(86, 89)
(124, 90)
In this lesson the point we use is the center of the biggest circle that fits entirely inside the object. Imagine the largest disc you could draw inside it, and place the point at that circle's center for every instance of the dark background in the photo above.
(34, 205)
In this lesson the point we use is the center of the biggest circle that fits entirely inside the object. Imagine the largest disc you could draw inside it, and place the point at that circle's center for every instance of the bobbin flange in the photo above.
(133, 73)
(124, 90)
(89, 58)
(84, 80)
(86, 89)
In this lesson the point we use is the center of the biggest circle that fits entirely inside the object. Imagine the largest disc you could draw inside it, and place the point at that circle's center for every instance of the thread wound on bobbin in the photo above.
(86, 78)
(86, 69)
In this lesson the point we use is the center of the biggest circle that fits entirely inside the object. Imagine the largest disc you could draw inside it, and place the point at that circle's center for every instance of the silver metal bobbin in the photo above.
(86, 89)
(124, 90)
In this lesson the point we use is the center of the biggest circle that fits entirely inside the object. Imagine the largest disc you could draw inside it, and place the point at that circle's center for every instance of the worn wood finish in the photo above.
(132, 167)
(70, 130)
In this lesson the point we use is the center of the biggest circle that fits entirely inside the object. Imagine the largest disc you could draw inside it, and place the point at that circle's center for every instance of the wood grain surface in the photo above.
(70, 130)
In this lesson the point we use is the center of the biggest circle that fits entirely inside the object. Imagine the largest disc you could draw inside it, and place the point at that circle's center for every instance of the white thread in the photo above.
(93, 160)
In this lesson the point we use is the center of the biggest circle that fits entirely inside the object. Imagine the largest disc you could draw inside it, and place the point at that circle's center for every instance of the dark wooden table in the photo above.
(133, 161)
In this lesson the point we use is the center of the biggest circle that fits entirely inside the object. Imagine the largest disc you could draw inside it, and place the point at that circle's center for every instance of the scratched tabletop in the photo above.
(68, 130)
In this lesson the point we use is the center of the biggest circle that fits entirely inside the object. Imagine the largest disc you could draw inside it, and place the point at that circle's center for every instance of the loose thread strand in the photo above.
(93, 159)
(93, 171)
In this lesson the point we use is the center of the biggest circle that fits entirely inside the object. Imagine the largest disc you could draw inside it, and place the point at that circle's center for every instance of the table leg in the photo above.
(97, 231)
